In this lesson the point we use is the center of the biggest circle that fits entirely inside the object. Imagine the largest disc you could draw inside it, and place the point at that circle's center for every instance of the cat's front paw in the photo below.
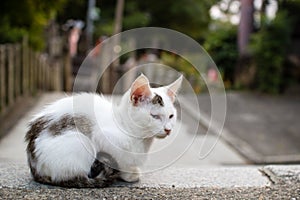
(131, 177)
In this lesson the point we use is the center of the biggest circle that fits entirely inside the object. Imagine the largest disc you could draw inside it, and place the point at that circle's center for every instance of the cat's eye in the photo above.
(171, 116)
(155, 116)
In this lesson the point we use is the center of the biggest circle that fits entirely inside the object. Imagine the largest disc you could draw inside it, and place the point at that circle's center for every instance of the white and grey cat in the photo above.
(86, 141)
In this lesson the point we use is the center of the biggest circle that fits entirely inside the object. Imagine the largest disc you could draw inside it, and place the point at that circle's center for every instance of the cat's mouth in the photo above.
(161, 136)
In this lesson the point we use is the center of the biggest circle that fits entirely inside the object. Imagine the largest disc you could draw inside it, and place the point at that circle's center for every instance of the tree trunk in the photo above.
(245, 26)
(116, 42)
(245, 71)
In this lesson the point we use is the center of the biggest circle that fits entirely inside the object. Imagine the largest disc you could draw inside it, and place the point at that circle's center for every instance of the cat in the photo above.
(85, 140)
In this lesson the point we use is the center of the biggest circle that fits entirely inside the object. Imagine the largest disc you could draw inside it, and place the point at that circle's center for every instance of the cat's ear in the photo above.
(173, 88)
(140, 90)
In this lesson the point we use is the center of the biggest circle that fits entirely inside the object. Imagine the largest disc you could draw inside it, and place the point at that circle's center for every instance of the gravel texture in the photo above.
(171, 183)
(268, 192)
(16, 175)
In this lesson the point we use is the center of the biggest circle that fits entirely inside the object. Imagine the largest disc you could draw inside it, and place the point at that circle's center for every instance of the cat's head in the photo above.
(152, 109)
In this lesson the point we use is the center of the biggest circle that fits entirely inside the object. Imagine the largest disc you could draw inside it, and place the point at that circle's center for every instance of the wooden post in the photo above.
(38, 71)
(35, 72)
(25, 66)
(104, 61)
(116, 42)
(42, 68)
(47, 75)
(67, 67)
(30, 70)
(243, 76)
(51, 74)
(57, 76)
(17, 70)
(10, 75)
(245, 27)
(2, 79)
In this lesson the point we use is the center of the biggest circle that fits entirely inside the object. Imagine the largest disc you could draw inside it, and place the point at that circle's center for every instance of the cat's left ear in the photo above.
(173, 88)
(140, 90)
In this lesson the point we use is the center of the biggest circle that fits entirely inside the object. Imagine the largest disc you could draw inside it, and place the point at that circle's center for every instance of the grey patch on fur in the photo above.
(68, 122)
(76, 182)
(38, 178)
(35, 128)
(158, 100)
(104, 166)
(102, 174)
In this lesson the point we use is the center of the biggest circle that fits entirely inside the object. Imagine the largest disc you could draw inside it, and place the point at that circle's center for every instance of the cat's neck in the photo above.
(126, 126)
(121, 114)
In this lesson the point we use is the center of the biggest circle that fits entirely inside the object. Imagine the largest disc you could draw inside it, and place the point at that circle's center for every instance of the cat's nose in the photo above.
(167, 131)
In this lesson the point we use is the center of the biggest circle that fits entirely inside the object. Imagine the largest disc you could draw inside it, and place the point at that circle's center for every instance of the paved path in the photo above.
(265, 129)
(12, 146)
(178, 150)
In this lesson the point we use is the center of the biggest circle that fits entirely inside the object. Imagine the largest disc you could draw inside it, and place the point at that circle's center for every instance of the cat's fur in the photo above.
(87, 141)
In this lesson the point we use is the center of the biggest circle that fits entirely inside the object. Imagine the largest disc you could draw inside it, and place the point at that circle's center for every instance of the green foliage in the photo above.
(221, 45)
(9, 34)
(178, 63)
(133, 17)
(72, 9)
(187, 16)
(185, 67)
(269, 47)
(29, 17)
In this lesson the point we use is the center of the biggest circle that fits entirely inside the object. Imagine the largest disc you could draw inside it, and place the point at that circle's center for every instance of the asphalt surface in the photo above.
(263, 128)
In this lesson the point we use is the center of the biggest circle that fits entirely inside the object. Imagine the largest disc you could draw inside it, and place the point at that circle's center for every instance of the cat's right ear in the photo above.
(173, 88)
(140, 90)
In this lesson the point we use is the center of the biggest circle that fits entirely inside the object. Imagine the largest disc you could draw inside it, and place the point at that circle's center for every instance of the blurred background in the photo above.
(255, 45)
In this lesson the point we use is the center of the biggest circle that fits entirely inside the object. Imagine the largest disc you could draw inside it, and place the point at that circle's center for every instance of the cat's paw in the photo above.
(130, 177)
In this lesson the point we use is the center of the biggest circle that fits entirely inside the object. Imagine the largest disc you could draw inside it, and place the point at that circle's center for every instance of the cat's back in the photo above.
(83, 103)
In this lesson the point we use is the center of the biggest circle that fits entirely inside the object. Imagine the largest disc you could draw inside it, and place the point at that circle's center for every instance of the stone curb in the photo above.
(171, 183)
(17, 175)
(283, 174)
